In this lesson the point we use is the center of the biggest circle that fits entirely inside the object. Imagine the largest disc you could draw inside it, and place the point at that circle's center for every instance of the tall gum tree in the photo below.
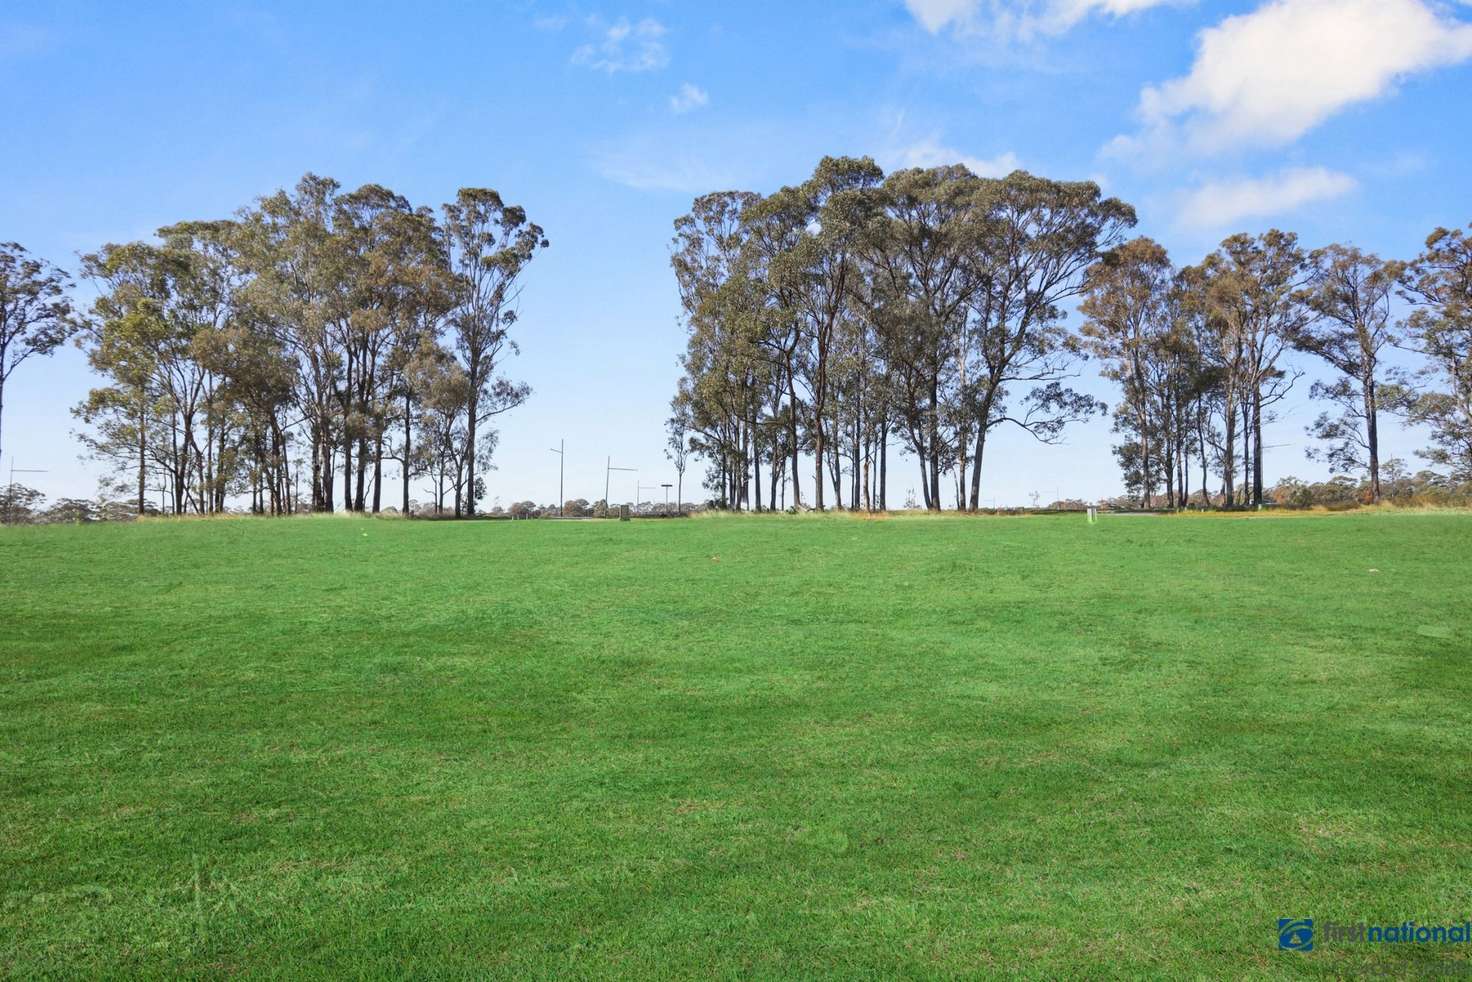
(814, 267)
(1042, 236)
(1127, 305)
(918, 250)
(35, 313)
(1439, 282)
(1251, 287)
(489, 244)
(1350, 294)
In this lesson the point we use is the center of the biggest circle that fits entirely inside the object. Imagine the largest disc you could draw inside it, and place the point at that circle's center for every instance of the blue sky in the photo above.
(1339, 119)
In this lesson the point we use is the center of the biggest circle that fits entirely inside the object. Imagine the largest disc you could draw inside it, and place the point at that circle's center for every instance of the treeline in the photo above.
(286, 355)
(929, 307)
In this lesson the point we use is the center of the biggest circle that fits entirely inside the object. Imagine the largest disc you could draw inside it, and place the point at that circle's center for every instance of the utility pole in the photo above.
(609, 469)
(10, 491)
(14, 470)
(561, 462)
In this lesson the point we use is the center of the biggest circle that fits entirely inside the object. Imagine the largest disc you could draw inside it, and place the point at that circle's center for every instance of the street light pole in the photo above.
(561, 463)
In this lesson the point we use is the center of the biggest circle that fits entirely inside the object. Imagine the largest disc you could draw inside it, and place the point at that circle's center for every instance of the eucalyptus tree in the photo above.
(204, 293)
(1439, 282)
(259, 382)
(1350, 294)
(441, 390)
(728, 371)
(398, 288)
(296, 294)
(35, 313)
(126, 420)
(677, 451)
(919, 251)
(1127, 303)
(812, 240)
(489, 245)
(1180, 383)
(1251, 288)
(1041, 236)
(156, 305)
(1221, 358)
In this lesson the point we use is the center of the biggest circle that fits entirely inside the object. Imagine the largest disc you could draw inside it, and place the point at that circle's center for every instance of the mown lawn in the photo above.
(733, 747)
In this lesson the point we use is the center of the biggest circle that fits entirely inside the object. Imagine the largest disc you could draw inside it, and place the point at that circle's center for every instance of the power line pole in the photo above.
(561, 462)
(609, 469)
(14, 470)
(10, 491)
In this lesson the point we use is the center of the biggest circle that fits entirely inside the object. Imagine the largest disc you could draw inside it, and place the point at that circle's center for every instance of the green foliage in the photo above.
(320, 323)
(1440, 283)
(834, 314)
(35, 312)
(19, 504)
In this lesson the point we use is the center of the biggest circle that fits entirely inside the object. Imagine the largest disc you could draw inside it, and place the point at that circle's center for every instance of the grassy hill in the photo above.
(733, 747)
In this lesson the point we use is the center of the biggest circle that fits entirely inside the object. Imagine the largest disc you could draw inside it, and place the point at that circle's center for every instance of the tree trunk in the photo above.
(756, 468)
(934, 504)
(360, 498)
(1372, 437)
(1145, 458)
(473, 409)
(408, 428)
(378, 476)
(347, 473)
(792, 428)
(883, 464)
(142, 457)
(1229, 463)
(837, 467)
(867, 483)
(976, 459)
(818, 461)
(1257, 495)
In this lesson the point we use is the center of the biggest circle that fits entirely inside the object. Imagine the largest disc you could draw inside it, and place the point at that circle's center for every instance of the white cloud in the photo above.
(1269, 76)
(935, 15)
(930, 152)
(688, 99)
(1019, 17)
(624, 47)
(1217, 204)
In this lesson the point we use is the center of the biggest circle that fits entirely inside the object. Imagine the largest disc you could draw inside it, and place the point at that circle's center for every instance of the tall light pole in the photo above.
(561, 462)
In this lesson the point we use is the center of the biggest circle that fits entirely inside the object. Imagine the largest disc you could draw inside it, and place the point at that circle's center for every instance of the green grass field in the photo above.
(733, 747)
